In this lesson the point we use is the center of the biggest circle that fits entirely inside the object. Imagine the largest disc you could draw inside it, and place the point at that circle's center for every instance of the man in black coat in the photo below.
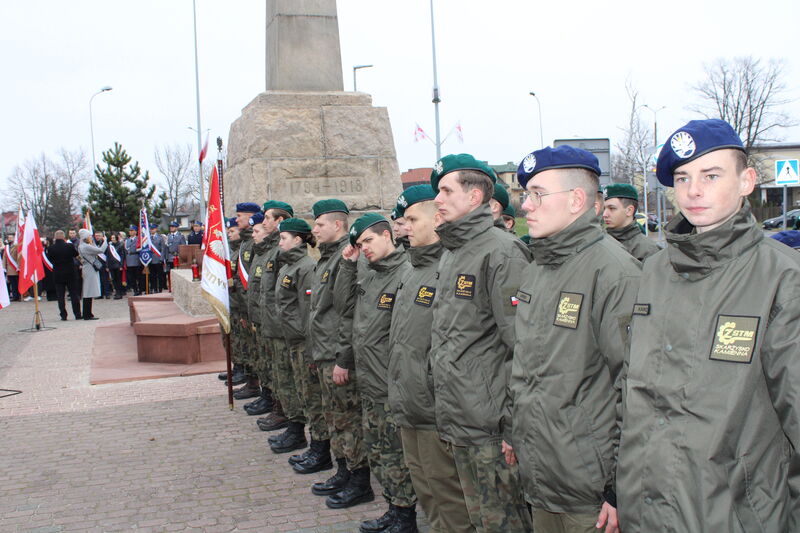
(65, 274)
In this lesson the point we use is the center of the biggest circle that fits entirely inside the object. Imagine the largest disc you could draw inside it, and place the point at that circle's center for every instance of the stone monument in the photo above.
(304, 138)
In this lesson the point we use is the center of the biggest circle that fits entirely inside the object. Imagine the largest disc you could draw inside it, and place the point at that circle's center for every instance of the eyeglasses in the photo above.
(537, 196)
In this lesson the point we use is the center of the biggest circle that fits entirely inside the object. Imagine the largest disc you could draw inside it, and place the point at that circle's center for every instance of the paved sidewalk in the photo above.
(156, 455)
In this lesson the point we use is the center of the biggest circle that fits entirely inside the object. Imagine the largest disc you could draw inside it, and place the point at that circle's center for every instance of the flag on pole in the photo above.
(459, 133)
(87, 223)
(31, 269)
(143, 243)
(204, 151)
(216, 259)
(5, 301)
(244, 276)
(419, 133)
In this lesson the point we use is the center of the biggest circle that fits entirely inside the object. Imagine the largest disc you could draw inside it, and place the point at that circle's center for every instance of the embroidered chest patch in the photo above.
(270, 266)
(425, 296)
(286, 282)
(258, 271)
(568, 311)
(735, 338)
(247, 256)
(386, 301)
(323, 279)
(465, 286)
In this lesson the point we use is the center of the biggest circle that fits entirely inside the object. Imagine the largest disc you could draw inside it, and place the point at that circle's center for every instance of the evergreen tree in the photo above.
(59, 214)
(118, 192)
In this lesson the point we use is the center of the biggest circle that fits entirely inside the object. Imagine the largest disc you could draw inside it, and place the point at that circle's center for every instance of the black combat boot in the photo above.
(379, 524)
(318, 459)
(275, 439)
(335, 483)
(249, 390)
(239, 375)
(295, 439)
(405, 520)
(262, 405)
(358, 490)
(275, 420)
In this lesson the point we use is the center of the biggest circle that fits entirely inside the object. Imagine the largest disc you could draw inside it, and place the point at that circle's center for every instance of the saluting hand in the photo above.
(351, 252)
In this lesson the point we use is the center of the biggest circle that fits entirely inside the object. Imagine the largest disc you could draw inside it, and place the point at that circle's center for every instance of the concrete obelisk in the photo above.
(304, 139)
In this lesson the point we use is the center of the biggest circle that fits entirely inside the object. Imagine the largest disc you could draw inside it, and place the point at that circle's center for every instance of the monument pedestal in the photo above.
(301, 147)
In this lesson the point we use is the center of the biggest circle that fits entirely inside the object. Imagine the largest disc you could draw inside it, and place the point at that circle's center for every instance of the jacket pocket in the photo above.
(588, 447)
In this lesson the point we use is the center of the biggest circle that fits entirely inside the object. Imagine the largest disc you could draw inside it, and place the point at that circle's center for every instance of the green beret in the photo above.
(621, 190)
(363, 222)
(394, 215)
(329, 206)
(501, 195)
(297, 225)
(510, 211)
(274, 204)
(451, 163)
(411, 196)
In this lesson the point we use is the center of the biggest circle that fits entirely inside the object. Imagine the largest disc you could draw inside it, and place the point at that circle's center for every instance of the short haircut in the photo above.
(339, 216)
(629, 201)
(741, 161)
(380, 227)
(473, 179)
(279, 213)
(59, 234)
(429, 206)
(580, 178)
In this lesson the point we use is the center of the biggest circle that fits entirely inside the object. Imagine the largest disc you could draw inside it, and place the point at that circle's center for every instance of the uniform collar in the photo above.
(456, 233)
(246, 234)
(327, 249)
(556, 249)
(697, 254)
(499, 223)
(390, 262)
(625, 234)
(294, 255)
(421, 256)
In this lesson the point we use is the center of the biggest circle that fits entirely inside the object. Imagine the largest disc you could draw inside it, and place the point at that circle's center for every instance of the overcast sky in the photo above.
(575, 55)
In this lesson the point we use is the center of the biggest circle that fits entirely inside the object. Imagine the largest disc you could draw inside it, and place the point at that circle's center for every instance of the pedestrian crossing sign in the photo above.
(786, 172)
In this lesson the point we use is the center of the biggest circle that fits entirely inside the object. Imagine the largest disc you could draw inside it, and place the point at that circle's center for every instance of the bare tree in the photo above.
(31, 185)
(72, 169)
(631, 155)
(176, 165)
(749, 94)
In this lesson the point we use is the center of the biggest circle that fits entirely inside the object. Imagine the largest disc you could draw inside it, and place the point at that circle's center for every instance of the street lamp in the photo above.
(91, 122)
(539, 104)
(655, 122)
(660, 211)
(436, 98)
(355, 68)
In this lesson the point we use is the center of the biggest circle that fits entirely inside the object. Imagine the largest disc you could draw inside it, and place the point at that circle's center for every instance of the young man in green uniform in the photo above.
(239, 374)
(370, 293)
(620, 205)
(350, 485)
(573, 311)
(429, 459)
(472, 339)
(711, 423)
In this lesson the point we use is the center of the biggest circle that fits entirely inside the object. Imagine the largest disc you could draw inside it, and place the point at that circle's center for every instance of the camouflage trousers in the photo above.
(343, 414)
(385, 454)
(244, 344)
(306, 380)
(492, 489)
(435, 478)
(262, 360)
(283, 380)
(236, 340)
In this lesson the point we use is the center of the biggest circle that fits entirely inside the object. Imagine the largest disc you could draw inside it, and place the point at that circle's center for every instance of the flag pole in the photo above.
(37, 316)
(229, 369)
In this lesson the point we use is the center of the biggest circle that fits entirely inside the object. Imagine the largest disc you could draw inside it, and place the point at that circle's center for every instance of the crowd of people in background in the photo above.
(98, 265)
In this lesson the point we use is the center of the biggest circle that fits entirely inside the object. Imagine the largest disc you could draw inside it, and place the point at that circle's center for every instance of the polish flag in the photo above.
(5, 301)
(459, 133)
(204, 151)
(419, 133)
(216, 273)
(87, 223)
(31, 268)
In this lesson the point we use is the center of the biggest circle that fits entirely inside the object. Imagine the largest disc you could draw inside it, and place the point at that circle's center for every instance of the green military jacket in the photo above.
(324, 321)
(293, 294)
(634, 241)
(410, 379)
(711, 423)
(260, 251)
(244, 256)
(236, 297)
(370, 298)
(574, 309)
(270, 326)
(472, 335)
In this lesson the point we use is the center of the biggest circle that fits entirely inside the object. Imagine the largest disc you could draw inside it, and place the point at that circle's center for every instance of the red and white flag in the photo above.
(30, 249)
(204, 151)
(5, 301)
(419, 133)
(244, 276)
(87, 223)
(459, 133)
(216, 258)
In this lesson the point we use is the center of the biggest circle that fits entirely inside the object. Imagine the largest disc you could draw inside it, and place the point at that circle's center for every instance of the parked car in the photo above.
(652, 221)
(777, 222)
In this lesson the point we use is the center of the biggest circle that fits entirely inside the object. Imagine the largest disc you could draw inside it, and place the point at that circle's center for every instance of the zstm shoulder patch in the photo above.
(735, 338)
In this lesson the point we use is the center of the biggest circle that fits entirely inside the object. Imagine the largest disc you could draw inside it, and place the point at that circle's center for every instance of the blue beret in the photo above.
(135, 228)
(174, 224)
(695, 139)
(247, 207)
(231, 223)
(257, 218)
(153, 225)
(197, 223)
(563, 156)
